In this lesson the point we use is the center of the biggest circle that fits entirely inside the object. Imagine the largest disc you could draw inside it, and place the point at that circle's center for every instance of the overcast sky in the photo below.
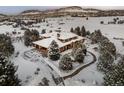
(18, 9)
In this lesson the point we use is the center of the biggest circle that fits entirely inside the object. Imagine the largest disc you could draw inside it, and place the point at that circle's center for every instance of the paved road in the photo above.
(81, 68)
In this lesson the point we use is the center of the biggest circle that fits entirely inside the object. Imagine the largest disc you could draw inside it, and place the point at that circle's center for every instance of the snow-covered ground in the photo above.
(27, 69)
(88, 76)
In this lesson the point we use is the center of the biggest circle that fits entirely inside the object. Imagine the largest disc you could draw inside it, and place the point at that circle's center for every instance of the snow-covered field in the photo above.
(88, 76)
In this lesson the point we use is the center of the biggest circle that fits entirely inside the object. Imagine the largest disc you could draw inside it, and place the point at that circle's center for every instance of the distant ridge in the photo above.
(63, 9)
(28, 11)
(71, 7)
(73, 11)
(50, 10)
(2, 15)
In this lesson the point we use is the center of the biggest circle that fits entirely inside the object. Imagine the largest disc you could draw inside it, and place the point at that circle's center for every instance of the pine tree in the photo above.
(66, 63)
(84, 49)
(43, 31)
(53, 51)
(83, 31)
(77, 31)
(87, 32)
(109, 46)
(30, 36)
(35, 35)
(72, 30)
(27, 38)
(105, 62)
(123, 43)
(7, 73)
(6, 46)
(27, 41)
(27, 33)
(79, 55)
(115, 77)
(96, 36)
(75, 47)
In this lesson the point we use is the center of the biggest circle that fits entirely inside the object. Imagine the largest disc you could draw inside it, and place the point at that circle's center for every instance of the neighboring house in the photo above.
(65, 40)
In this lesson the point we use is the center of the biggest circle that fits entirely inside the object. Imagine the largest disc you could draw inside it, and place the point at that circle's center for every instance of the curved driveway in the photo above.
(81, 68)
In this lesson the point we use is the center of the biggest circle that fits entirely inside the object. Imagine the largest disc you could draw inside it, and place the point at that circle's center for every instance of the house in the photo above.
(65, 40)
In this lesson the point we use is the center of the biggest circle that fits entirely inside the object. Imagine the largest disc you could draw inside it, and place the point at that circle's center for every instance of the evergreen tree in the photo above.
(106, 45)
(27, 38)
(103, 39)
(102, 22)
(115, 77)
(87, 32)
(27, 33)
(72, 30)
(43, 31)
(75, 47)
(77, 31)
(6, 46)
(35, 35)
(7, 73)
(79, 55)
(84, 49)
(105, 62)
(30, 36)
(66, 63)
(96, 36)
(83, 31)
(53, 51)
(27, 41)
(123, 43)
(87, 18)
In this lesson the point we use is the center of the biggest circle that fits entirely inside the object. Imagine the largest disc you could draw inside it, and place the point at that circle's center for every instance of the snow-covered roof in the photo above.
(47, 41)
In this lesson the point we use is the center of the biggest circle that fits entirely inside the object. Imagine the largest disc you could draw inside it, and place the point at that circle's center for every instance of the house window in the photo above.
(37, 46)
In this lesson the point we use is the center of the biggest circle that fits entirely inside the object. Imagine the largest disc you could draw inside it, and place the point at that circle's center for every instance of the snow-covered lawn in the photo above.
(76, 65)
(27, 69)
(35, 56)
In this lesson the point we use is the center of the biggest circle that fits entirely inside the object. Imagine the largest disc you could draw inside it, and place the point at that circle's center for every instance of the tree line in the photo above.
(80, 31)
(8, 76)
(113, 73)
